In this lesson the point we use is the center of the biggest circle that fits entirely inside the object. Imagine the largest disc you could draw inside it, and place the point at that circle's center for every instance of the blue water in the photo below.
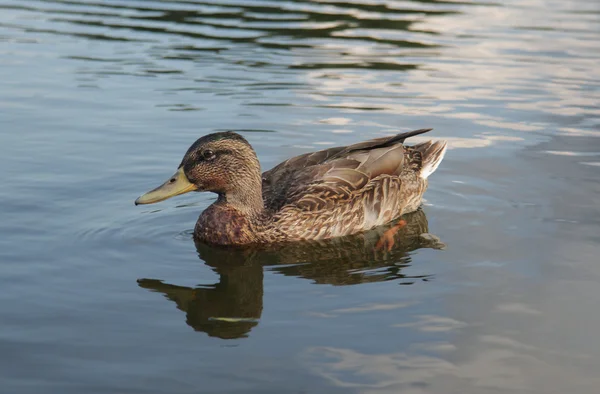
(100, 99)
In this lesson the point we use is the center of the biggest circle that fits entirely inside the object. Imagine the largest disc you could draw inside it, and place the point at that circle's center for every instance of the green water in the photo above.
(100, 99)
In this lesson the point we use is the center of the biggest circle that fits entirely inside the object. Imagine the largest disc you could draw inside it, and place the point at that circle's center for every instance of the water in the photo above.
(100, 99)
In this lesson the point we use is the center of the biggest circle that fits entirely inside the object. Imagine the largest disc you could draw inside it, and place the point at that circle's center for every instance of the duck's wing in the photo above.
(314, 180)
(284, 179)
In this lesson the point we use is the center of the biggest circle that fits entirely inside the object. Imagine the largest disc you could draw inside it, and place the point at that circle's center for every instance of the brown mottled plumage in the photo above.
(325, 194)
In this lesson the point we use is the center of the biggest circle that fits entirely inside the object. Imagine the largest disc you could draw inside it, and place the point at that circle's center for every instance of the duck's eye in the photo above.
(208, 154)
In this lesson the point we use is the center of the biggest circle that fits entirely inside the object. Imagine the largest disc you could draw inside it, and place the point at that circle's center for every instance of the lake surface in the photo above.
(494, 287)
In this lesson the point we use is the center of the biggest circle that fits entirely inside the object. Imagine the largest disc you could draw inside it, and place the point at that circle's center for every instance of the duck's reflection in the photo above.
(228, 309)
(233, 306)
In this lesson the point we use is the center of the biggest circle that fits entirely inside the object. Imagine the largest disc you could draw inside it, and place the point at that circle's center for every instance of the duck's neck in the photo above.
(236, 215)
(249, 206)
(233, 219)
(245, 197)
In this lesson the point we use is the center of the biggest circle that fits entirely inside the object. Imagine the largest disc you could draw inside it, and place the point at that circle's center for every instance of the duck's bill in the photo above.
(176, 185)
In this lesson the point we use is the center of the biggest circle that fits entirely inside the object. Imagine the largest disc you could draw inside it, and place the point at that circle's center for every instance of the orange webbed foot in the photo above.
(387, 239)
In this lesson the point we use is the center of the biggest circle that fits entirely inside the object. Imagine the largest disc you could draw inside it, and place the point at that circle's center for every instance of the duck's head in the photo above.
(223, 163)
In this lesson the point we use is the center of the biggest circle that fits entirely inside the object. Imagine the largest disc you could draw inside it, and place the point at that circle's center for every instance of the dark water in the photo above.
(100, 99)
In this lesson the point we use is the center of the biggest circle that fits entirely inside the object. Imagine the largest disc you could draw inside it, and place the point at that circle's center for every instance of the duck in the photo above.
(314, 196)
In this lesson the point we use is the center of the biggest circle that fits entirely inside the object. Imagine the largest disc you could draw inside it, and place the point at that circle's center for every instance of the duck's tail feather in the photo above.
(432, 153)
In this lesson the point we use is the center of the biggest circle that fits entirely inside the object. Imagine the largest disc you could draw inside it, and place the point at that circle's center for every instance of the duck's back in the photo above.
(344, 190)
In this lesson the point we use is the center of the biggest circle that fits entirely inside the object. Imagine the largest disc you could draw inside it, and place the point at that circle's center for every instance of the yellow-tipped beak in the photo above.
(176, 185)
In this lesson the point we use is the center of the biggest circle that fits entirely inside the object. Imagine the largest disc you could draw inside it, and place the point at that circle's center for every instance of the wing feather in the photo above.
(312, 181)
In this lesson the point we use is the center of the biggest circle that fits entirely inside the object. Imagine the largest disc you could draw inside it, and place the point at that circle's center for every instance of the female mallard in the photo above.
(329, 193)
